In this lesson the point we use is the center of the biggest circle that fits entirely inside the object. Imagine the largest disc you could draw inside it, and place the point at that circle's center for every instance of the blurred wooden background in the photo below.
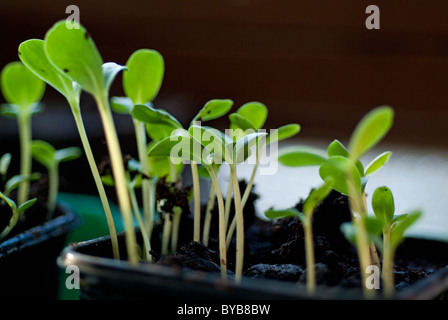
(311, 62)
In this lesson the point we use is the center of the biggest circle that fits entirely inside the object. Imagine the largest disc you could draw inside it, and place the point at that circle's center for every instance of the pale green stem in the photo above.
(309, 252)
(239, 226)
(138, 215)
(244, 199)
(24, 124)
(53, 187)
(96, 177)
(140, 136)
(177, 212)
(197, 203)
(208, 215)
(228, 201)
(152, 204)
(388, 266)
(222, 229)
(11, 224)
(119, 176)
(166, 234)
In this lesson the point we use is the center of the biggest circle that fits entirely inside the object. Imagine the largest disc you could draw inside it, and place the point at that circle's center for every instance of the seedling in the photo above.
(393, 229)
(49, 157)
(16, 211)
(141, 83)
(316, 196)
(33, 55)
(350, 177)
(73, 52)
(251, 117)
(162, 125)
(22, 91)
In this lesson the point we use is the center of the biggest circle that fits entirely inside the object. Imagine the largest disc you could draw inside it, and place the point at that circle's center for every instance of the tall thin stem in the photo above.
(24, 124)
(239, 226)
(208, 215)
(53, 187)
(138, 216)
(140, 136)
(228, 201)
(197, 202)
(177, 213)
(387, 273)
(222, 229)
(119, 176)
(166, 234)
(310, 262)
(96, 177)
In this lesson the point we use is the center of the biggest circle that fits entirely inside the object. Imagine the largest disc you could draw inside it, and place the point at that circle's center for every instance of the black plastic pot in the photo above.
(105, 278)
(28, 268)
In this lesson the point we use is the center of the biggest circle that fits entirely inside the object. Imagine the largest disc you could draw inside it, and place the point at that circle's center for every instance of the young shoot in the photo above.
(22, 91)
(33, 55)
(73, 52)
(16, 211)
(50, 158)
(141, 83)
(251, 117)
(393, 228)
(350, 178)
(316, 196)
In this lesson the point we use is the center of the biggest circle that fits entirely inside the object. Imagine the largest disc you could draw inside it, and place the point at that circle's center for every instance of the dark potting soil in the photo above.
(276, 249)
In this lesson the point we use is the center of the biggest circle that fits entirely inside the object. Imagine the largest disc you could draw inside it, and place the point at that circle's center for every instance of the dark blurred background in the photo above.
(311, 62)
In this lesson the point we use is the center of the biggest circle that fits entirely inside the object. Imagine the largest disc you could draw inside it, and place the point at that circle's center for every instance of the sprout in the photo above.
(23, 91)
(33, 55)
(141, 83)
(316, 196)
(16, 211)
(248, 118)
(73, 52)
(393, 229)
(350, 178)
(49, 157)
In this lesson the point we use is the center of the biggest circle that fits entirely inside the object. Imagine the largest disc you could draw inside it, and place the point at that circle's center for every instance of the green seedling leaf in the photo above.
(73, 52)
(281, 214)
(340, 168)
(317, 196)
(143, 79)
(336, 148)
(5, 161)
(43, 152)
(373, 228)
(378, 162)
(160, 124)
(255, 113)
(237, 121)
(122, 105)
(20, 86)
(16, 180)
(67, 154)
(301, 156)
(400, 226)
(110, 71)
(179, 146)
(32, 53)
(241, 149)
(108, 180)
(9, 201)
(213, 109)
(383, 205)
(213, 140)
(283, 133)
(26, 205)
(370, 130)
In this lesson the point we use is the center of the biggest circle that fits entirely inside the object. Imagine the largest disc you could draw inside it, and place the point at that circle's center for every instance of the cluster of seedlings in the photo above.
(68, 60)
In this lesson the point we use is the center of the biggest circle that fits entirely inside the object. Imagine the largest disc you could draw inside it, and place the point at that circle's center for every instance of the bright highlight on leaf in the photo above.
(370, 130)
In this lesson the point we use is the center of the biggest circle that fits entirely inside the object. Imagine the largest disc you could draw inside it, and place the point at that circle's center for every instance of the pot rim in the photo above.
(147, 273)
